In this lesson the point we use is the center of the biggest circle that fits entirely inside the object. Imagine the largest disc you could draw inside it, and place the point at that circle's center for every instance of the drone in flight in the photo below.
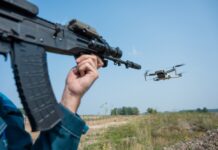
(164, 74)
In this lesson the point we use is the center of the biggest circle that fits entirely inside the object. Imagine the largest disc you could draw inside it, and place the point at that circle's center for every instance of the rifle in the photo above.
(27, 38)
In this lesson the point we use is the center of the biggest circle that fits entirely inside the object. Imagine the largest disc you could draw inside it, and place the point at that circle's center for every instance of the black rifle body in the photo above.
(27, 38)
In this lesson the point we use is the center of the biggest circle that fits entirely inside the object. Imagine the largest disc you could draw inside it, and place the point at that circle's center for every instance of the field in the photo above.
(147, 132)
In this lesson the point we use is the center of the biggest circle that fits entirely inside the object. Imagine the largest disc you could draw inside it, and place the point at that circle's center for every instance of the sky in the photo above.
(156, 34)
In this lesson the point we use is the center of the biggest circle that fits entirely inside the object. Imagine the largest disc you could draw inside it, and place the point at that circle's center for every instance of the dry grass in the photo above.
(152, 132)
(146, 132)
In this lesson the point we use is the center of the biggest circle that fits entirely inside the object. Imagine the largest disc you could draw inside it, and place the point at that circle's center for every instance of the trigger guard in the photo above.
(4, 55)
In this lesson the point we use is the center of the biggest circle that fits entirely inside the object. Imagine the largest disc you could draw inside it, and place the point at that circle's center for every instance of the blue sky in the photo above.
(156, 34)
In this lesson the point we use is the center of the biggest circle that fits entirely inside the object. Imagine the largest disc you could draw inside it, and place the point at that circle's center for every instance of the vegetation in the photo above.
(125, 111)
(153, 131)
(204, 110)
(151, 111)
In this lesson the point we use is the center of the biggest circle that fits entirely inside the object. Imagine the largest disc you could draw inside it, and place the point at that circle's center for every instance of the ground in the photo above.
(194, 131)
(209, 141)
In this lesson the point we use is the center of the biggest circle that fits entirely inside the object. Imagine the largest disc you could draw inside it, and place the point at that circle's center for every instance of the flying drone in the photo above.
(164, 74)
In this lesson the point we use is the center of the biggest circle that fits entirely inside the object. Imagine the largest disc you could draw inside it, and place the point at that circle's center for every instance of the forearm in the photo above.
(79, 80)
(70, 100)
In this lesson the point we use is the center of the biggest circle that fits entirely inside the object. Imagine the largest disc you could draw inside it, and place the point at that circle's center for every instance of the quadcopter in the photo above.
(164, 74)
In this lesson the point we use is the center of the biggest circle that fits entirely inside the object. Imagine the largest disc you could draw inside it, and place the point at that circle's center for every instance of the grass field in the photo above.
(145, 132)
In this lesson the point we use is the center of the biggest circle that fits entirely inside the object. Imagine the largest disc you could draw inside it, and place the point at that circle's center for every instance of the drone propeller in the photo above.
(179, 65)
(146, 74)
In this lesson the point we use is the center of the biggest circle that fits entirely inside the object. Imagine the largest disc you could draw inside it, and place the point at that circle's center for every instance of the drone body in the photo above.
(164, 74)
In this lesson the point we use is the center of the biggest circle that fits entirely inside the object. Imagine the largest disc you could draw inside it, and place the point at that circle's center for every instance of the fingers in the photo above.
(88, 64)
(87, 68)
(97, 62)
(89, 61)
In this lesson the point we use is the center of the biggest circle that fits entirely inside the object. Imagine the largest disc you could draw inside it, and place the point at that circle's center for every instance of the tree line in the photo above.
(135, 111)
(125, 111)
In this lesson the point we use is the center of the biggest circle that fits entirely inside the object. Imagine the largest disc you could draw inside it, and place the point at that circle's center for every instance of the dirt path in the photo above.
(110, 124)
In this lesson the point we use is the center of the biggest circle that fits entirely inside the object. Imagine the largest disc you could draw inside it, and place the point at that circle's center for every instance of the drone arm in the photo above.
(151, 74)
(171, 70)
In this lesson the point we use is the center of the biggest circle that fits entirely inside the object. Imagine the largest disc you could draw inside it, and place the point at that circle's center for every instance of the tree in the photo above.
(129, 111)
(204, 110)
(151, 111)
(114, 111)
(135, 111)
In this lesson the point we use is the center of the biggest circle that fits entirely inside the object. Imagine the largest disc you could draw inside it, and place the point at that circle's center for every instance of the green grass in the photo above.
(154, 131)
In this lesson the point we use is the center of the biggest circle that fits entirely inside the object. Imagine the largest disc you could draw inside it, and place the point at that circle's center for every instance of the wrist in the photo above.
(70, 101)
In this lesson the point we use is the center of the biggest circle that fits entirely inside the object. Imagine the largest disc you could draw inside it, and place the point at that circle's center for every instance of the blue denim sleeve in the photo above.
(16, 137)
(65, 135)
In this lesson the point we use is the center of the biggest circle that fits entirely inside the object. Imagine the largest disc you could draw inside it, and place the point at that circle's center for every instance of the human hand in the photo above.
(79, 80)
